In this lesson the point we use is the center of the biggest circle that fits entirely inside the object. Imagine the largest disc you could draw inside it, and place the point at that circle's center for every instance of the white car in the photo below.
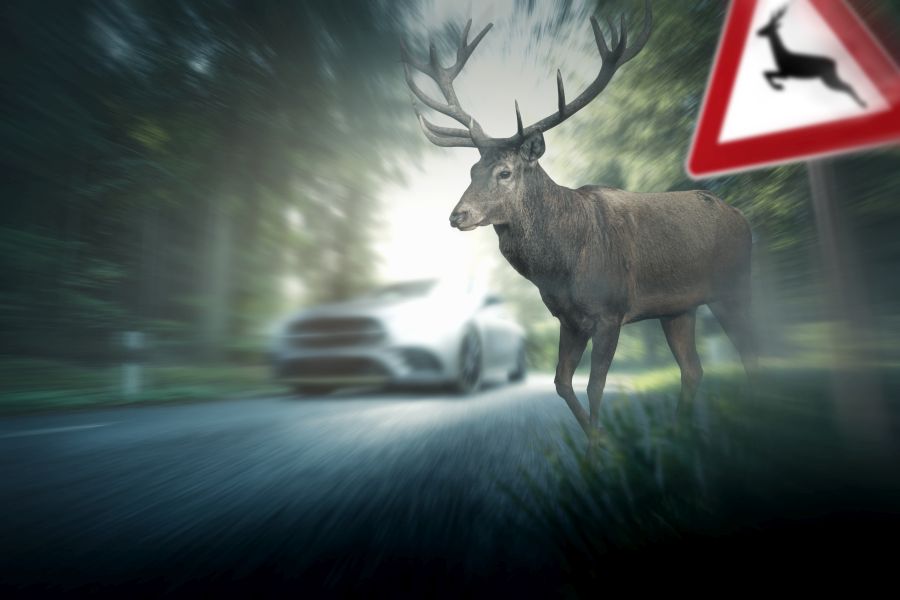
(418, 333)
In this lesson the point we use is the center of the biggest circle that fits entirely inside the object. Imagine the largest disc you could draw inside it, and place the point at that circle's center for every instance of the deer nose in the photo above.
(457, 217)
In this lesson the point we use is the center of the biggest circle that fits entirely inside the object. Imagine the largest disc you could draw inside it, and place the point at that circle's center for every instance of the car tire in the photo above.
(471, 358)
(521, 368)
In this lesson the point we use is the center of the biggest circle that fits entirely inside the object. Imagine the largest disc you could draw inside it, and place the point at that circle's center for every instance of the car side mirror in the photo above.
(493, 300)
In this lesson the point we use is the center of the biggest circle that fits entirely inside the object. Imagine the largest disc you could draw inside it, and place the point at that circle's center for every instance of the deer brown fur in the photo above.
(602, 257)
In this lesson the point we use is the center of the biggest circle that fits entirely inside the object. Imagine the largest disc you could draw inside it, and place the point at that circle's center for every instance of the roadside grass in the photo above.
(763, 478)
(37, 385)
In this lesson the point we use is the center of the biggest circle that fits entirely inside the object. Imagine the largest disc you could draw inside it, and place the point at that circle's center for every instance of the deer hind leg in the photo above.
(606, 338)
(834, 82)
(733, 315)
(571, 347)
(771, 76)
(679, 332)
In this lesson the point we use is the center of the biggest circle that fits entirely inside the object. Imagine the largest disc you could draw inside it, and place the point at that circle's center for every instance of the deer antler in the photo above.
(443, 77)
(614, 55)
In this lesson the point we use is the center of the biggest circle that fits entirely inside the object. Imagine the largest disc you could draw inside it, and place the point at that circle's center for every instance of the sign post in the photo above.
(858, 396)
(798, 82)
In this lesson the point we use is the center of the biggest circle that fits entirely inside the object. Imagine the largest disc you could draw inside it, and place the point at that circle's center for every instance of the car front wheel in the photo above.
(470, 361)
(521, 369)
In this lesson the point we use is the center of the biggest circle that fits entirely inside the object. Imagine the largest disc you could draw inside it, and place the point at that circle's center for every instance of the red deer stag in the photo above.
(601, 257)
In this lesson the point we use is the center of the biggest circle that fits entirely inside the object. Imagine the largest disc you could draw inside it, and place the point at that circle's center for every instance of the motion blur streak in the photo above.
(354, 483)
(179, 178)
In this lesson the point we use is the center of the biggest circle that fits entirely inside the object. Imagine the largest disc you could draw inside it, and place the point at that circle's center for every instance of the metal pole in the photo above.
(858, 399)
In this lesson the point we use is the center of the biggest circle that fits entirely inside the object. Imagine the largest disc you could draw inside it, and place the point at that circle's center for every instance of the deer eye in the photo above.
(504, 175)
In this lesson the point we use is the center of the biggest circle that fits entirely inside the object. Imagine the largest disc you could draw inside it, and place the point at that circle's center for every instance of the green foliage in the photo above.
(746, 463)
(152, 152)
(167, 166)
(636, 136)
(35, 385)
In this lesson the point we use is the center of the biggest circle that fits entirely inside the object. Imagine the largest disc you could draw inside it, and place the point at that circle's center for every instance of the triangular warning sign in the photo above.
(793, 80)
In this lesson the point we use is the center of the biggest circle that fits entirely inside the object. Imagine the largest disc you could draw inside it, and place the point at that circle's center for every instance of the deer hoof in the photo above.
(597, 437)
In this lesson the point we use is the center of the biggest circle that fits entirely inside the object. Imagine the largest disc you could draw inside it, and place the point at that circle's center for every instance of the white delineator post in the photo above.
(133, 342)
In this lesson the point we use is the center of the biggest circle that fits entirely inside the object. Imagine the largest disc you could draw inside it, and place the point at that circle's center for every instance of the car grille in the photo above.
(336, 332)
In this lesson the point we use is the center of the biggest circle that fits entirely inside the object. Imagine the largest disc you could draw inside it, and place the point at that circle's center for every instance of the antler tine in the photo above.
(447, 137)
(446, 131)
(642, 38)
(601, 41)
(444, 141)
(613, 34)
(520, 131)
(614, 55)
(560, 93)
(464, 38)
(465, 50)
(443, 78)
(433, 59)
(446, 109)
(438, 129)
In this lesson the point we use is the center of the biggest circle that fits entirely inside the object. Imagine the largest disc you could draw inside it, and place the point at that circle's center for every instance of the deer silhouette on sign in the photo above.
(800, 66)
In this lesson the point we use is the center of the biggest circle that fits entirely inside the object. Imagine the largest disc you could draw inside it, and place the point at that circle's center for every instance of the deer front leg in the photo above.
(571, 347)
(606, 338)
(771, 76)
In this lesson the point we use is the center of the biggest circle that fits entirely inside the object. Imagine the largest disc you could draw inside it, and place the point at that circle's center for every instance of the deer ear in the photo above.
(533, 147)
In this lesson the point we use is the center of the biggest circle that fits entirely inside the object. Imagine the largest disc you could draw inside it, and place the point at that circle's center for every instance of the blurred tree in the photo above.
(636, 136)
(166, 165)
(154, 150)
(640, 133)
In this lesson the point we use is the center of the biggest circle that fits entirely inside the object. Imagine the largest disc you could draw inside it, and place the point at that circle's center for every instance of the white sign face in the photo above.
(757, 108)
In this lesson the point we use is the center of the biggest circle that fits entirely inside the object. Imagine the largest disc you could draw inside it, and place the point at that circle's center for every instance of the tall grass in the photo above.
(754, 478)
(34, 385)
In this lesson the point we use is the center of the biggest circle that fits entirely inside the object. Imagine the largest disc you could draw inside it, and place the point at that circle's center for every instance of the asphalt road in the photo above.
(398, 491)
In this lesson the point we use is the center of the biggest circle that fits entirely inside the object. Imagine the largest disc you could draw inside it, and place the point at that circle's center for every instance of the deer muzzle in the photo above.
(464, 220)
(457, 217)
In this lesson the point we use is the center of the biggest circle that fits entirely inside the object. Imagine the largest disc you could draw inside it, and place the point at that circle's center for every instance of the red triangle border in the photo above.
(709, 157)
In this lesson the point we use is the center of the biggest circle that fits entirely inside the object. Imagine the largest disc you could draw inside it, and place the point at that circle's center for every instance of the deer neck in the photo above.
(536, 238)
(778, 47)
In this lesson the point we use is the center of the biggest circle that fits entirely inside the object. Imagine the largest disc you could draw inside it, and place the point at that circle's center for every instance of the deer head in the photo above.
(500, 178)
(771, 29)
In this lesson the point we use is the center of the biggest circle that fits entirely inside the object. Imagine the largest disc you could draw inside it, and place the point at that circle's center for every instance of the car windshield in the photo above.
(398, 291)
